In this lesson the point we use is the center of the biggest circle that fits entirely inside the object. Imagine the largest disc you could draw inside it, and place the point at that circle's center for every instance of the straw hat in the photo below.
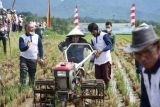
(75, 31)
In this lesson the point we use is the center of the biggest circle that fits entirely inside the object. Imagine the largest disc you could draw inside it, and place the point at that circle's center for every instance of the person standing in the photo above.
(146, 48)
(108, 26)
(39, 31)
(3, 37)
(20, 23)
(102, 44)
(30, 46)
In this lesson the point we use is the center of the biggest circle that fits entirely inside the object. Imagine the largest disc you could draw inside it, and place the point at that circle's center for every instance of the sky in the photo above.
(64, 8)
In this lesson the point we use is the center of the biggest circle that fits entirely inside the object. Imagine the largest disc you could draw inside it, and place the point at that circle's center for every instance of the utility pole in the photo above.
(13, 4)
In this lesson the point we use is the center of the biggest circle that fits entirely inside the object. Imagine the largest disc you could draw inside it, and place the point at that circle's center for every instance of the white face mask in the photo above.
(109, 29)
(32, 33)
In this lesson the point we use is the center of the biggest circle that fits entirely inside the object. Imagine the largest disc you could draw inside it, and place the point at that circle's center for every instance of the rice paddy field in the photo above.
(123, 91)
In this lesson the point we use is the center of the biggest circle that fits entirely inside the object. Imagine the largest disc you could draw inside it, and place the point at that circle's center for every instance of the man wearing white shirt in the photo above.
(102, 44)
(30, 46)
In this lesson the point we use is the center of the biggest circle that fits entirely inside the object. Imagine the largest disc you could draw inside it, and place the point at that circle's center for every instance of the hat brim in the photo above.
(76, 35)
(75, 31)
(130, 49)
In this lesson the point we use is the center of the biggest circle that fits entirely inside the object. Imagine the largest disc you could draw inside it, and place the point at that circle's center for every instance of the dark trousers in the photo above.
(20, 28)
(103, 72)
(27, 65)
(4, 41)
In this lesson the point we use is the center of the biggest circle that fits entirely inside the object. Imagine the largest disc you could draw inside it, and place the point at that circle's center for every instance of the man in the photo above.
(146, 49)
(3, 36)
(20, 23)
(39, 31)
(30, 46)
(14, 21)
(75, 53)
(102, 44)
(108, 30)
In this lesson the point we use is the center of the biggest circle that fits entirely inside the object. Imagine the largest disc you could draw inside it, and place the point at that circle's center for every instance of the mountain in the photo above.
(108, 9)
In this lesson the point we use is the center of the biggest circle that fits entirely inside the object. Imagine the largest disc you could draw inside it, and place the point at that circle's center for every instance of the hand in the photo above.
(97, 54)
(41, 62)
(64, 48)
(2, 29)
(28, 44)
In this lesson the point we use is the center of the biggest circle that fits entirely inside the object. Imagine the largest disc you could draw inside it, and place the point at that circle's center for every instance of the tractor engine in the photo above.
(64, 76)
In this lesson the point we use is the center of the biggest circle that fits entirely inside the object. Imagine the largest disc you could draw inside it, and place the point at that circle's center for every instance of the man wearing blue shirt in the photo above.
(75, 53)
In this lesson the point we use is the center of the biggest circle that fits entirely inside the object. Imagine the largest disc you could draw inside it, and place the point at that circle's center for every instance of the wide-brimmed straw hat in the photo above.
(75, 31)
(142, 37)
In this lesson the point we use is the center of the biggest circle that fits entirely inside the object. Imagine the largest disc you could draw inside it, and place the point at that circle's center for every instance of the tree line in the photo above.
(63, 26)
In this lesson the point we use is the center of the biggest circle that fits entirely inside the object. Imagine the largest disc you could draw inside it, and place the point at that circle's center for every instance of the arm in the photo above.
(22, 45)
(63, 44)
(108, 43)
(3, 31)
(40, 48)
(144, 96)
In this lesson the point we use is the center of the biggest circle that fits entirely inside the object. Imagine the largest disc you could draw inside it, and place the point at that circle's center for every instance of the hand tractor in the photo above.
(69, 82)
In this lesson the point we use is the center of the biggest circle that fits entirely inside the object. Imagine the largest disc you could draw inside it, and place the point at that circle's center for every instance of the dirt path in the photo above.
(126, 80)
(28, 103)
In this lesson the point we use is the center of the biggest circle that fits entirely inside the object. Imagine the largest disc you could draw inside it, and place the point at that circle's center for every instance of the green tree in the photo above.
(157, 29)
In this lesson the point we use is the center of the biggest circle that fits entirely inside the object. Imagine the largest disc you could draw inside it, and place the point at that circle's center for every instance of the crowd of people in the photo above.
(11, 21)
(5, 23)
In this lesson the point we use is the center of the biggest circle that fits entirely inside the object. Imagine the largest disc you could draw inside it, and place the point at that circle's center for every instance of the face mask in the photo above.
(32, 33)
(109, 29)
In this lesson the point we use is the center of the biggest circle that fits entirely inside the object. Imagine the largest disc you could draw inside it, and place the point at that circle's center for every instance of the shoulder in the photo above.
(83, 40)
(23, 36)
(36, 35)
(103, 33)
(68, 40)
